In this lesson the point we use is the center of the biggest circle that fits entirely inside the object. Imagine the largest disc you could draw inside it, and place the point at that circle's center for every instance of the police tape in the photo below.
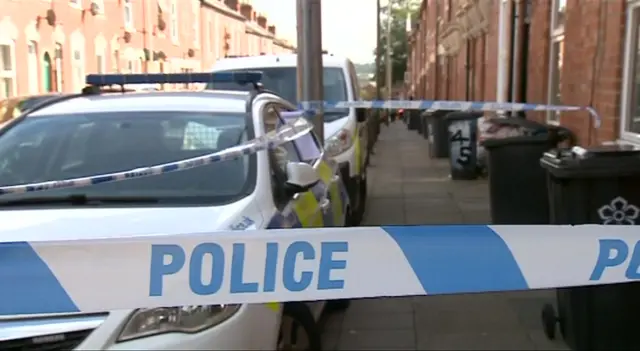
(290, 131)
(449, 105)
(49, 268)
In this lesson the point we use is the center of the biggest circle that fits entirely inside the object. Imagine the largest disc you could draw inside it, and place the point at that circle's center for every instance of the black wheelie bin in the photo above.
(463, 144)
(517, 183)
(437, 133)
(597, 185)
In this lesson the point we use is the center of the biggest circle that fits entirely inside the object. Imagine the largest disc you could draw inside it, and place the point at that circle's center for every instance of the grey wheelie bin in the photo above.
(437, 133)
(517, 183)
(463, 144)
(597, 185)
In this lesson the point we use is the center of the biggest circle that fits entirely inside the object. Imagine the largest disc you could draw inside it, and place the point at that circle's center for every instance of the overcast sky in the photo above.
(348, 26)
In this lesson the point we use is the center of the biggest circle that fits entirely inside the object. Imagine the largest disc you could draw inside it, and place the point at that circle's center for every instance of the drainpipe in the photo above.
(501, 88)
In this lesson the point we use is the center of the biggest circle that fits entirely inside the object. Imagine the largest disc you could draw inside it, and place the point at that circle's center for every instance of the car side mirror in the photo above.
(301, 177)
(361, 115)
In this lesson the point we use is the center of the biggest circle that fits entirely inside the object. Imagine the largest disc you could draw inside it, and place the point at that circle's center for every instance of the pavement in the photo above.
(406, 187)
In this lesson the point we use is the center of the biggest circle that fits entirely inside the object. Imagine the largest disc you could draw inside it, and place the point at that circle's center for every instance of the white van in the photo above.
(345, 130)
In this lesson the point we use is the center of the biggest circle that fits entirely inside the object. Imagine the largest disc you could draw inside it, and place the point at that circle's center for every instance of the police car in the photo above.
(345, 129)
(94, 134)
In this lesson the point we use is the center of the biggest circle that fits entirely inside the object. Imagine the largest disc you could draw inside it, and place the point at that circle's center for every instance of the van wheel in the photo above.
(298, 330)
(338, 305)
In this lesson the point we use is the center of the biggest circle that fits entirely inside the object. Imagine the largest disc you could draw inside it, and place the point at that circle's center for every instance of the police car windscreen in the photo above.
(282, 81)
(71, 146)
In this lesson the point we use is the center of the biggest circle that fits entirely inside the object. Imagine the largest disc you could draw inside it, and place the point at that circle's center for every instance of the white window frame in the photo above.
(127, 14)
(556, 36)
(174, 21)
(78, 64)
(217, 38)
(195, 4)
(59, 66)
(10, 74)
(33, 65)
(628, 77)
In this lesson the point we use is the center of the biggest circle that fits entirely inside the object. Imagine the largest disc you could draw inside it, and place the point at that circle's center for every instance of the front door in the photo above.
(46, 62)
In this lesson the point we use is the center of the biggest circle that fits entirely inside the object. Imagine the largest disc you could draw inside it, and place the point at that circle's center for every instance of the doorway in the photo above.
(48, 74)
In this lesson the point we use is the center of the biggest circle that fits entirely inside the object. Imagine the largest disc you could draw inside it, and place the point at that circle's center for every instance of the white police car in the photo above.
(345, 129)
(89, 134)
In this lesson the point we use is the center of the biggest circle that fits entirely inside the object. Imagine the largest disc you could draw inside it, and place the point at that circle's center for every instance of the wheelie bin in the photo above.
(438, 134)
(424, 124)
(414, 120)
(517, 183)
(596, 185)
(463, 144)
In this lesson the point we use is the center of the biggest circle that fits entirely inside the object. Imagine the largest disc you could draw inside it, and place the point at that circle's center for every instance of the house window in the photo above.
(174, 20)
(100, 65)
(32, 66)
(128, 13)
(556, 56)
(58, 68)
(195, 5)
(115, 67)
(630, 122)
(217, 36)
(7, 69)
(77, 63)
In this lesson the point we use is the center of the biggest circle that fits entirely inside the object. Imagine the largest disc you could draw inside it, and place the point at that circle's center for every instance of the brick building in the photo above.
(571, 52)
(50, 45)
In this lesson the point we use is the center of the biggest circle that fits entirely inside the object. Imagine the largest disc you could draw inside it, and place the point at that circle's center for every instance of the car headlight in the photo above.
(339, 142)
(187, 319)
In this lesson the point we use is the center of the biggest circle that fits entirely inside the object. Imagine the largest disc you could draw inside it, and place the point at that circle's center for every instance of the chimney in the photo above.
(262, 21)
(246, 10)
(272, 30)
(233, 4)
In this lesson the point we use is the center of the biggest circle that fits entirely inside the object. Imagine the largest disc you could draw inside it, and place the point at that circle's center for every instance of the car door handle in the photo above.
(325, 204)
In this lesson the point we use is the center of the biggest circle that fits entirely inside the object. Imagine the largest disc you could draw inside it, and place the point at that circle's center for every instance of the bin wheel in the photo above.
(549, 321)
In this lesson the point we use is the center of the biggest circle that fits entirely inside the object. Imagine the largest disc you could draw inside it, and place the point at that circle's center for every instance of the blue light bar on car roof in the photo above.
(247, 77)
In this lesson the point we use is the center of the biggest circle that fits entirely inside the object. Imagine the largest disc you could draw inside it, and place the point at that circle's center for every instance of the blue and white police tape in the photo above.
(291, 130)
(50, 267)
(450, 105)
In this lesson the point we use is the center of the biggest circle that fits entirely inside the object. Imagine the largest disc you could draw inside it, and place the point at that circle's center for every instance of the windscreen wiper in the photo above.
(80, 199)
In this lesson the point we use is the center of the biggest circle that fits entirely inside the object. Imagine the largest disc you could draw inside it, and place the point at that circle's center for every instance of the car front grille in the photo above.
(54, 342)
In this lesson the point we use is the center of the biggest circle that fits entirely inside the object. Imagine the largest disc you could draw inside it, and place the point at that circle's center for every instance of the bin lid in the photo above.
(531, 127)
(463, 116)
(517, 140)
(595, 161)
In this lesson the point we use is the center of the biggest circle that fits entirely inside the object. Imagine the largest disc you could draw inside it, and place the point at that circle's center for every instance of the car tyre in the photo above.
(338, 305)
(298, 329)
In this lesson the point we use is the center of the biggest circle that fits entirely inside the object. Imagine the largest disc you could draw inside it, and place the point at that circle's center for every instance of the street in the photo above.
(406, 187)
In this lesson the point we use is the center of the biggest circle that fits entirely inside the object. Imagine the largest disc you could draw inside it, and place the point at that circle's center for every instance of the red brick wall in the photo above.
(592, 70)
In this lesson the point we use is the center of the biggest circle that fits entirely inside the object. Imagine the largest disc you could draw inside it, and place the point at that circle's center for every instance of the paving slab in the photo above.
(407, 187)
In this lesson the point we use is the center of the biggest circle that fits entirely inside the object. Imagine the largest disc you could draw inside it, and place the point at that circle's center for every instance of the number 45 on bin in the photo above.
(209, 270)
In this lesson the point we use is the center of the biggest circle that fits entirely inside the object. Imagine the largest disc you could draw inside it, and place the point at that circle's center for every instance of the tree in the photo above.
(399, 39)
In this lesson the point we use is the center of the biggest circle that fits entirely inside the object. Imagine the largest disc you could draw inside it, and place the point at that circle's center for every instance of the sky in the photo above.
(348, 26)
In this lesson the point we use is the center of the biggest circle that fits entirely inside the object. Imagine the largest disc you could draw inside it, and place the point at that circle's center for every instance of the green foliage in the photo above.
(399, 38)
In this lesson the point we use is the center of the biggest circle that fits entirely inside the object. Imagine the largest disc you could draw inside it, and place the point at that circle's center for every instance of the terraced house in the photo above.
(50, 45)
(572, 52)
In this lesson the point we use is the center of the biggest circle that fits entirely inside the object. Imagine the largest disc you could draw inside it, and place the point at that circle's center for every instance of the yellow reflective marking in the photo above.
(357, 151)
(308, 211)
(326, 174)
(274, 306)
